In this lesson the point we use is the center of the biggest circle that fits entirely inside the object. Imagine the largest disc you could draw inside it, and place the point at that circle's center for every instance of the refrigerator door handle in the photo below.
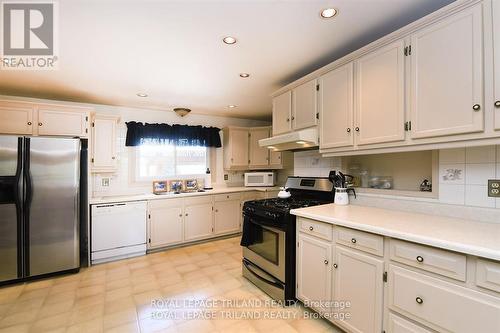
(28, 196)
(19, 199)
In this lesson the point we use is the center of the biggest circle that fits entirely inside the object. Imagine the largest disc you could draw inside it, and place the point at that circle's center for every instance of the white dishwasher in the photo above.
(118, 230)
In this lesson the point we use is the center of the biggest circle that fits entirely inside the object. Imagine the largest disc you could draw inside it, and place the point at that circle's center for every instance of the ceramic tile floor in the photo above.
(117, 297)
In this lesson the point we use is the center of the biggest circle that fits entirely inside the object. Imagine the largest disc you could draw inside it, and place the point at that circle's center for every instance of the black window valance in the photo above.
(184, 135)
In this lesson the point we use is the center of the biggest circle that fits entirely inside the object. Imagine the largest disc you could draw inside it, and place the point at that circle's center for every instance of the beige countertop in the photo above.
(465, 236)
(151, 196)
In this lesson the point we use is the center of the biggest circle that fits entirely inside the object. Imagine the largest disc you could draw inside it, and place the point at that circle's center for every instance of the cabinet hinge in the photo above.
(86, 130)
(249, 135)
(408, 126)
(92, 160)
(149, 216)
(317, 87)
(406, 51)
(212, 208)
(298, 244)
(86, 118)
(384, 278)
(149, 240)
(409, 50)
(93, 124)
(212, 229)
(317, 115)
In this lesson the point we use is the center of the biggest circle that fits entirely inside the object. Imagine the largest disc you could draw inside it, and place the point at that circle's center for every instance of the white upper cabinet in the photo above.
(336, 107)
(275, 159)
(304, 105)
(380, 107)
(16, 118)
(236, 146)
(259, 156)
(282, 113)
(447, 76)
(104, 143)
(496, 52)
(62, 121)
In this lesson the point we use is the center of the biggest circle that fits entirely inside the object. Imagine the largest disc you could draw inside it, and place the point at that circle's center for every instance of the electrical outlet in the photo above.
(105, 182)
(494, 188)
(226, 176)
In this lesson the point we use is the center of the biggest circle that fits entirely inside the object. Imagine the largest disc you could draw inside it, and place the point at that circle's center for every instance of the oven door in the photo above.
(267, 250)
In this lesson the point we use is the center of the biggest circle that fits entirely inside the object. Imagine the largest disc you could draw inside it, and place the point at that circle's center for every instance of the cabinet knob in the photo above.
(348, 130)
(357, 129)
(29, 123)
(216, 210)
(419, 300)
(113, 158)
(293, 118)
(311, 228)
(40, 124)
(335, 265)
(287, 119)
(187, 214)
(353, 240)
(476, 107)
(420, 259)
(326, 262)
(180, 215)
(497, 104)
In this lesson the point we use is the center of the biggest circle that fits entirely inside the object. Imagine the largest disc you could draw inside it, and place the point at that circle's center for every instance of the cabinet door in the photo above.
(275, 159)
(336, 107)
(16, 118)
(282, 112)
(259, 156)
(55, 120)
(358, 279)
(166, 223)
(198, 219)
(104, 143)
(314, 271)
(304, 105)
(447, 76)
(496, 60)
(239, 147)
(380, 108)
(227, 217)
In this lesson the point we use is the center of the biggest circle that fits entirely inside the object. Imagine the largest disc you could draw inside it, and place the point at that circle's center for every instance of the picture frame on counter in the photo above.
(176, 185)
(160, 186)
(191, 185)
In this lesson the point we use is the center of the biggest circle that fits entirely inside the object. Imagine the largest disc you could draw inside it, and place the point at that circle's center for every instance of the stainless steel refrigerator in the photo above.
(39, 206)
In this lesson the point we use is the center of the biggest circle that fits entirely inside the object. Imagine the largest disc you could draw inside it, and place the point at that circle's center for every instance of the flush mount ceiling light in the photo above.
(142, 95)
(231, 106)
(182, 111)
(229, 40)
(244, 75)
(328, 13)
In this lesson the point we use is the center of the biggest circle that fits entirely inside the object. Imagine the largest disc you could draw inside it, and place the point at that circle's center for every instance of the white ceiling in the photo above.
(172, 50)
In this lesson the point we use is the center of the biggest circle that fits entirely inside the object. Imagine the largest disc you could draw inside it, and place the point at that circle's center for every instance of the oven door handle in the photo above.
(248, 266)
(264, 225)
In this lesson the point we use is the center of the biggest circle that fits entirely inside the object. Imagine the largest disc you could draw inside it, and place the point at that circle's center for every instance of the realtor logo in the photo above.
(28, 35)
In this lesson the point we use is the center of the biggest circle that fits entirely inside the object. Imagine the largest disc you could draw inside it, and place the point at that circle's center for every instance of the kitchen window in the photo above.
(169, 161)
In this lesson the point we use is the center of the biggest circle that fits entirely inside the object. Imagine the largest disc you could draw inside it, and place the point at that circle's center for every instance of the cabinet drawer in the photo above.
(315, 228)
(165, 203)
(361, 240)
(488, 274)
(227, 197)
(398, 324)
(441, 305)
(434, 260)
(204, 199)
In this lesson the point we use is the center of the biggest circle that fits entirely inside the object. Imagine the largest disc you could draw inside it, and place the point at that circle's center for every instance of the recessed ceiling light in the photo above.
(231, 106)
(229, 40)
(142, 95)
(328, 13)
(244, 75)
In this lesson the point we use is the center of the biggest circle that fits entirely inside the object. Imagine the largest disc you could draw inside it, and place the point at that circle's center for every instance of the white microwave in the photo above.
(260, 178)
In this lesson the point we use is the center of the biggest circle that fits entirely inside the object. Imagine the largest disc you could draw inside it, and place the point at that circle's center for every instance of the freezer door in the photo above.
(52, 204)
(10, 207)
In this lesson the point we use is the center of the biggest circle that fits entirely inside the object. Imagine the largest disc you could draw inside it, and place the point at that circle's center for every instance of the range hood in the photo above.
(302, 139)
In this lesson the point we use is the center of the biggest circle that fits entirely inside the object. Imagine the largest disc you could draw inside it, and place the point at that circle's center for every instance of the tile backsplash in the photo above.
(311, 164)
(464, 174)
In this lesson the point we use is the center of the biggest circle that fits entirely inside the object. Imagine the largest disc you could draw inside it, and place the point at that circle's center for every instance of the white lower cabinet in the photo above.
(165, 222)
(198, 218)
(227, 216)
(359, 279)
(397, 289)
(314, 273)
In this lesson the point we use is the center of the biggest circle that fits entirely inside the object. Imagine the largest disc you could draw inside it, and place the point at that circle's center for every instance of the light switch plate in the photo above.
(226, 176)
(494, 188)
(105, 182)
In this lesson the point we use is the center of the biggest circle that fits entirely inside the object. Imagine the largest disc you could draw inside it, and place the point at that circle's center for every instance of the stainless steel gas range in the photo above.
(269, 235)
